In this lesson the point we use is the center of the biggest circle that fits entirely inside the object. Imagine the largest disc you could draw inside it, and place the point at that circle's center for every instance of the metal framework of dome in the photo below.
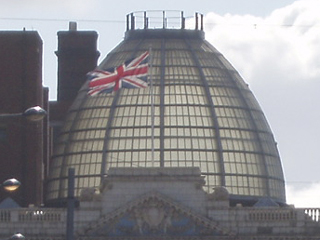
(197, 111)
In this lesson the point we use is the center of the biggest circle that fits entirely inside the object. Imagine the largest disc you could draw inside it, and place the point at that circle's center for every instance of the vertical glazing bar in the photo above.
(162, 102)
(152, 105)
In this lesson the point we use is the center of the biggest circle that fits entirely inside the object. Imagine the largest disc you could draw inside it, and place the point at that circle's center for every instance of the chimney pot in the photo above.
(72, 26)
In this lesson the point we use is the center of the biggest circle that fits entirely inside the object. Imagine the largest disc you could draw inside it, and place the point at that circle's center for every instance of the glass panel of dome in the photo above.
(215, 75)
(254, 169)
(82, 123)
(99, 123)
(115, 60)
(205, 121)
(95, 145)
(191, 120)
(210, 61)
(187, 73)
(226, 63)
(243, 123)
(274, 166)
(241, 83)
(75, 147)
(173, 58)
(212, 181)
(93, 134)
(59, 149)
(175, 44)
(56, 165)
(70, 118)
(78, 135)
(251, 146)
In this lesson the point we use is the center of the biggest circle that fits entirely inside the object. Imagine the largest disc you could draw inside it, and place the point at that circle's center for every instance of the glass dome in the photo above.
(196, 112)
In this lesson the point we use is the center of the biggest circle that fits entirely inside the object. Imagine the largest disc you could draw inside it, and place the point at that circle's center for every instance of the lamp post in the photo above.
(33, 114)
(70, 205)
(25, 137)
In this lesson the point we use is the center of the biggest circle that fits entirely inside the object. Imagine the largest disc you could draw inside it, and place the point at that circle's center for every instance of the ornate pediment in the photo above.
(153, 215)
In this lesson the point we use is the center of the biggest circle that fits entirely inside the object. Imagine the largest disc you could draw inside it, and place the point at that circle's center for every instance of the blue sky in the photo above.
(273, 44)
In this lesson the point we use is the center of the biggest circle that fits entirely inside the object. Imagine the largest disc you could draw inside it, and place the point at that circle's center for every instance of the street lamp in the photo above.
(33, 114)
(11, 184)
(17, 236)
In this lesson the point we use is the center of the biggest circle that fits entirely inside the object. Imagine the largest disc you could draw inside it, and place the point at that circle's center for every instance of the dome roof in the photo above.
(196, 112)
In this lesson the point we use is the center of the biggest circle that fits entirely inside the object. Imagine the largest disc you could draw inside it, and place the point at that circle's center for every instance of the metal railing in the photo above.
(162, 19)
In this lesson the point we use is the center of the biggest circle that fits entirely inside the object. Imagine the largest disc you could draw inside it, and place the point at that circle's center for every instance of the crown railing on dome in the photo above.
(163, 19)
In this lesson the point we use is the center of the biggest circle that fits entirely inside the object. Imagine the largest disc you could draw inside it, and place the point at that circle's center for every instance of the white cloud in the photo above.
(286, 39)
(308, 196)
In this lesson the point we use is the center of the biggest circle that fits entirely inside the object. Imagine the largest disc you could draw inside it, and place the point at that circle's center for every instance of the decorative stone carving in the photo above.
(219, 194)
(153, 215)
(89, 194)
(105, 186)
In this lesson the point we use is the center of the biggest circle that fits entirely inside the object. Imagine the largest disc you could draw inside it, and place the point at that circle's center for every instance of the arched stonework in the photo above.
(154, 215)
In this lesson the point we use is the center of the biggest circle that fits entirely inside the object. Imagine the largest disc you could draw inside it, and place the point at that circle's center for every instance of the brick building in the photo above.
(23, 144)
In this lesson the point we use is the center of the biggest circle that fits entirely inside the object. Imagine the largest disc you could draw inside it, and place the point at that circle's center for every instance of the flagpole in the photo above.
(152, 108)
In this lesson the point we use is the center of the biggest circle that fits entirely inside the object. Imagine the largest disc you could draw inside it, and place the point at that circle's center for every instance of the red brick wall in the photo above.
(21, 149)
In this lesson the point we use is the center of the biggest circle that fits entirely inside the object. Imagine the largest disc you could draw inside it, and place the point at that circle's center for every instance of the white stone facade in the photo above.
(161, 203)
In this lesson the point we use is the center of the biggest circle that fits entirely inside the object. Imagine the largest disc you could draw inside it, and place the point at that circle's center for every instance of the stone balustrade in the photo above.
(272, 215)
(35, 221)
(32, 215)
(313, 213)
(242, 221)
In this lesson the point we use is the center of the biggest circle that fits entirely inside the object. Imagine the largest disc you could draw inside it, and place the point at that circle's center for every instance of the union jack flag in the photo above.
(131, 75)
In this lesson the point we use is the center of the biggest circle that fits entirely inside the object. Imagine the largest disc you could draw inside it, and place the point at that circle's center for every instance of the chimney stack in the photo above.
(77, 55)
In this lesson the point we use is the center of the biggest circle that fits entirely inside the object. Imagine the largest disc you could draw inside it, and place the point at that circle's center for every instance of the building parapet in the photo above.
(37, 221)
